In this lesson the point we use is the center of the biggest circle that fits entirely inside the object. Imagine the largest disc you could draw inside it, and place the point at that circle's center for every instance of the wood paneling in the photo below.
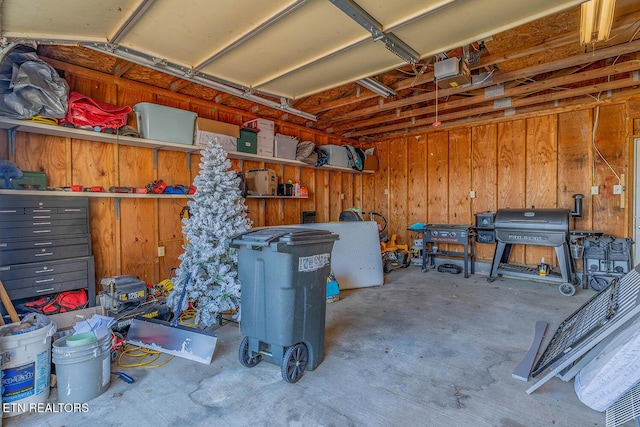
(536, 161)
(398, 182)
(610, 162)
(460, 177)
(511, 167)
(484, 176)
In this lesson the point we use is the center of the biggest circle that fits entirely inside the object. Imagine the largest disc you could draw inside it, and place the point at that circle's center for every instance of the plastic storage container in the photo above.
(337, 155)
(283, 272)
(165, 123)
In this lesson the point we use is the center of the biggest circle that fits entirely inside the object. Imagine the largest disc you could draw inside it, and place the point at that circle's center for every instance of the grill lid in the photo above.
(542, 220)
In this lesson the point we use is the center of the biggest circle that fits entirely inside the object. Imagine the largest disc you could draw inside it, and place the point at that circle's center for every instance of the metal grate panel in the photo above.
(594, 314)
(625, 409)
(597, 319)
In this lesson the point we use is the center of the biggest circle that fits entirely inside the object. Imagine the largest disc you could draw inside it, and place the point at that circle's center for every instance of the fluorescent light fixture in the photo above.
(377, 87)
(596, 16)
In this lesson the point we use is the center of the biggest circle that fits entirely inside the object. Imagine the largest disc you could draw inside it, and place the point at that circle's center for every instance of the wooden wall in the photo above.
(538, 161)
(127, 232)
(534, 161)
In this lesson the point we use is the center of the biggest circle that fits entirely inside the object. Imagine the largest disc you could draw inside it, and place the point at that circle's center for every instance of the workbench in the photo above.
(450, 234)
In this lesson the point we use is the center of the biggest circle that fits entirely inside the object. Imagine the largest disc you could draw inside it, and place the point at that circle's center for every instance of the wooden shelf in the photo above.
(65, 132)
(94, 194)
(121, 195)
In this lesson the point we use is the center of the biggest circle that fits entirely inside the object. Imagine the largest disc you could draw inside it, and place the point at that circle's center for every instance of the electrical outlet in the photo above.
(595, 190)
(160, 250)
(472, 194)
(617, 189)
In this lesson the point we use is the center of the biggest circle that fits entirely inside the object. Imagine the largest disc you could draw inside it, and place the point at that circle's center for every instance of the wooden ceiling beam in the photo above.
(514, 93)
(122, 67)
(622, 24)
(479, 111)
(501, 78)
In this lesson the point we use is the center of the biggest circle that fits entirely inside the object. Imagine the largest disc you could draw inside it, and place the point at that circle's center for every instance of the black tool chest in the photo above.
(45, 246)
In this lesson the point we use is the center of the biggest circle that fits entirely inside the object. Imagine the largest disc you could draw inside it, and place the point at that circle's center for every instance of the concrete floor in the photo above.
(425, 349)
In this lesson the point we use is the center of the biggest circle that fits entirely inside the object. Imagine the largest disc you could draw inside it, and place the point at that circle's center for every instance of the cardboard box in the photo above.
(370, 163)
(66, 320)
(266, 127)
(285, 147)
(248, 141)
(265, 145)
(263, 182)
(209, 130)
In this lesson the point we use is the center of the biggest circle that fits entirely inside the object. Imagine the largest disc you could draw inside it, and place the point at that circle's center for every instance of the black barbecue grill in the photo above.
(537, 227)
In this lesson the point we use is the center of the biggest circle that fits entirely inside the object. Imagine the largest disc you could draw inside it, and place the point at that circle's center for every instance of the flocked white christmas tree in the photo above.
(217, 212)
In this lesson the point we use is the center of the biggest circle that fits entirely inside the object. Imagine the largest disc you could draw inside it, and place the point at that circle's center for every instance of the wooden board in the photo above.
(541, 176)
(511, 167)
(397, 217)
(460, 177)
(484, 177)
(335, 196)
(612, 146)
(438, 177)
(417, 189)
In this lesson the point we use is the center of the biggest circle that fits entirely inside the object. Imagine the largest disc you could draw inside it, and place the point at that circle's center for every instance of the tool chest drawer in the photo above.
(45, 245)
(45, 227)
(37, 250)
(34, 279)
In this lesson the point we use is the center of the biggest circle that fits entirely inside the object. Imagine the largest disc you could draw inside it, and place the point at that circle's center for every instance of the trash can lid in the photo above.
(264, 236)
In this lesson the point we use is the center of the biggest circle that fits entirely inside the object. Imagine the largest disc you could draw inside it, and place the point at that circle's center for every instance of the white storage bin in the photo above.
(167, 124)
(337, 155)
(285, 147)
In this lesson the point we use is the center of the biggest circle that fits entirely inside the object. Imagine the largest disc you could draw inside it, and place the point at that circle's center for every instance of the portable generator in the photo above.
(125, 297)
(120, 293)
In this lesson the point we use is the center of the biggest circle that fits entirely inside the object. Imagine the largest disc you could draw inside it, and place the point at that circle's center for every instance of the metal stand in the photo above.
(456, 234)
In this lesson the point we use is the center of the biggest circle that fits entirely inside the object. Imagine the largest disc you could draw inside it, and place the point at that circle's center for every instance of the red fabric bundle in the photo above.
(84, 111)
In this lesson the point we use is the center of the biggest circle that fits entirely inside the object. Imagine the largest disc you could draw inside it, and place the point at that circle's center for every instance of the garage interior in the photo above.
(531, 116)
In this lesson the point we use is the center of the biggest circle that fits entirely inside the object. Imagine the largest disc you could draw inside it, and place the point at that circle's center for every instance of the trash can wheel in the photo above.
(243, 355)
(294, 362)
(567, 289)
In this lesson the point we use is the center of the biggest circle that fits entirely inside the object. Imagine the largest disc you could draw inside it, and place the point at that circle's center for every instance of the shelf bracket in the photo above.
(116, 207)
(155, 158)
(11, 137)
(189, 162)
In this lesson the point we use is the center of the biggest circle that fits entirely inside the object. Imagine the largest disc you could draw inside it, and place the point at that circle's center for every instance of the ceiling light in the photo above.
(377, 87)
(596, 16)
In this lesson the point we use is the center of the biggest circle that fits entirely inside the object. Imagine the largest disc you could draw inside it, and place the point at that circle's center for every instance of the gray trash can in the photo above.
(283, 273)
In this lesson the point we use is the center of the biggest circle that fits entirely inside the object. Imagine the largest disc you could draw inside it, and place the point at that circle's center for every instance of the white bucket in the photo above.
(82, 371)
(26, 368)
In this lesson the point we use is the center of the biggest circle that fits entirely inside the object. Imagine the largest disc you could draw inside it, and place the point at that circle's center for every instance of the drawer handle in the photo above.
(45, 280)
(3, 245)
(44, 290)
(42, 231)
(42, 210)
(42, 223)
(47, 270)
(5, 268)
(41, 216)
(73, 210)
(42, 243)
(45, 254)
(8, 211)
